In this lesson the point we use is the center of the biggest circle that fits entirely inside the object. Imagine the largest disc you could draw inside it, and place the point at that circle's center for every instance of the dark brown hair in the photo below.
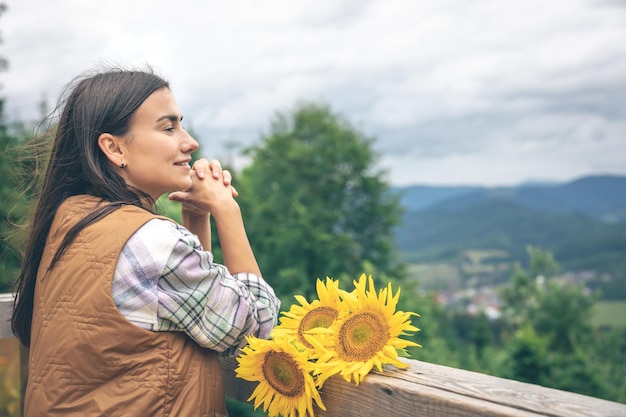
(92, 104)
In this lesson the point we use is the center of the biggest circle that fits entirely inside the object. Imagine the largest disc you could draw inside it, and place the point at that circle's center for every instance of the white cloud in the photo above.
(455, 91)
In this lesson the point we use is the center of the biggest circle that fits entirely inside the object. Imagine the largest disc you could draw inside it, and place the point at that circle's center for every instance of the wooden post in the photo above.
(6, 307)
(23, 375)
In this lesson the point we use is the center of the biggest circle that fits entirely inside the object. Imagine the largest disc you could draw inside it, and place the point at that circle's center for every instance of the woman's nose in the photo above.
(190, 144)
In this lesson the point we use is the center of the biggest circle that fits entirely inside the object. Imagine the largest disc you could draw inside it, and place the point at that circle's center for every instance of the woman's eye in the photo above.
(170, 129)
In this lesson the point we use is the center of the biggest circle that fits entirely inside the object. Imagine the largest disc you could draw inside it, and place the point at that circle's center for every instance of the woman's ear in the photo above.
(110, 146)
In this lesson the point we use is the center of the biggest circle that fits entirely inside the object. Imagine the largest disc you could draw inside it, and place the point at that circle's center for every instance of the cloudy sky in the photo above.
(481, 92)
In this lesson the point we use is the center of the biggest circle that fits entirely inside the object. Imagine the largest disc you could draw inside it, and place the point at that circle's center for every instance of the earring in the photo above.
(122, 165)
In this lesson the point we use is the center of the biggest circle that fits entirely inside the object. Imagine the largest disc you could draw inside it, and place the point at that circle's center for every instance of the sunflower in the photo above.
(306, 316)
(366, 335)
(286, 386)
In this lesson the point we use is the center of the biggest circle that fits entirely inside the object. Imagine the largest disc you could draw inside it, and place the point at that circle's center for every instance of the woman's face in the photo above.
(157, 150)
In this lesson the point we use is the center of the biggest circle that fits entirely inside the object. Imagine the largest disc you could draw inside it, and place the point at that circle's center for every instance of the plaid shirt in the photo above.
(165, 281)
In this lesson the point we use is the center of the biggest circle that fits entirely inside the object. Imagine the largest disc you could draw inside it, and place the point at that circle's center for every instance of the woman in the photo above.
(125, 311)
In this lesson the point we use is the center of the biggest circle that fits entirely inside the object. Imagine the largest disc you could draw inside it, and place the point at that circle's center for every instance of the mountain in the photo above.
(416, 197)
(602, 197)
(582, 222)
(500, 224)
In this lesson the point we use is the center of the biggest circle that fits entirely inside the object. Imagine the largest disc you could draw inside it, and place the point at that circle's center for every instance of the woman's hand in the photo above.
(211, 186)
(211, 196)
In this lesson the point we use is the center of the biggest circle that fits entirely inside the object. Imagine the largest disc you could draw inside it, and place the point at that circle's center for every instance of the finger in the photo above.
(200, 167)
(216, 168)
(235, 192)
(228, 178)
(178, 196)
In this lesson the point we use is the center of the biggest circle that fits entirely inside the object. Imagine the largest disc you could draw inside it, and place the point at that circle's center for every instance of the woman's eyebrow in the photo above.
(171, 117)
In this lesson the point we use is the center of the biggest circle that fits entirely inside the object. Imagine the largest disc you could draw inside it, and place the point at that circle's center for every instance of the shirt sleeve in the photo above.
(191, 293)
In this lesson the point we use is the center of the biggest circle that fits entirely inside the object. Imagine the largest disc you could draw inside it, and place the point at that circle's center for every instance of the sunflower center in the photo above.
(283, 374)
(318, 317)
(362, 336)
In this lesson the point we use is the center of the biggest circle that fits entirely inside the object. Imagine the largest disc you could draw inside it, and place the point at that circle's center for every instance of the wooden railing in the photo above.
(424, 389)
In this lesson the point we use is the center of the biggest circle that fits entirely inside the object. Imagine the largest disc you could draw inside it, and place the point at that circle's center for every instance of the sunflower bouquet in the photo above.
(341, 332)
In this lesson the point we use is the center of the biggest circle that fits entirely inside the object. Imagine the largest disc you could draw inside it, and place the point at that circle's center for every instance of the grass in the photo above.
(436, 276)
(455, 274)
(610, 314)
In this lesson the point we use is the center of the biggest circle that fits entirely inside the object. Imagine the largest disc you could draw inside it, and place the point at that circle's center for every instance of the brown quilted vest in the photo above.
(86, 358)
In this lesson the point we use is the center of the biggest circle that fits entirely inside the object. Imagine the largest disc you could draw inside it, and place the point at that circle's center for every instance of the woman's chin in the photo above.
(185, 184)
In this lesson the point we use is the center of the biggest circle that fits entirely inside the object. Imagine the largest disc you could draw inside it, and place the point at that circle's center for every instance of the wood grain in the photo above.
(425, 389)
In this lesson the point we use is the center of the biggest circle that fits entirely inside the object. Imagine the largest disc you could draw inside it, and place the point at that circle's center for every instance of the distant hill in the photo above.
(498, 224)
(417, 197)
(602, 197)
(582, 222)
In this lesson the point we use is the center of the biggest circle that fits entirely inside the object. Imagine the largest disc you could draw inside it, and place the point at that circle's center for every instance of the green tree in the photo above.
(481, 334)
(559, 311)
(315, 205)
(521, 296)
(529, 357)
(553, 345)
(563, 315)
(607, 350)
(9, 259)
(542, 263)
(20, 178)
(575, 372)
